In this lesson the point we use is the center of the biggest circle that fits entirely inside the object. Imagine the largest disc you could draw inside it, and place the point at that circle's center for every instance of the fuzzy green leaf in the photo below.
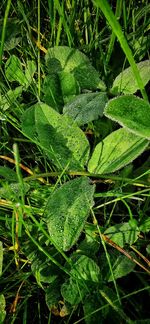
(126, 83)
(115, 151)
(63, 58)
(86, 107)
(131, 112)
(67, 210)
(63, 141)
(122, 234)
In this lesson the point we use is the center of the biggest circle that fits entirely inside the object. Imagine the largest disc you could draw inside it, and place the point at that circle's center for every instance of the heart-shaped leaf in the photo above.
(115, 151)
(63, 141)
(63, 58)
(67, 210)
(126, 83)
(131, 112)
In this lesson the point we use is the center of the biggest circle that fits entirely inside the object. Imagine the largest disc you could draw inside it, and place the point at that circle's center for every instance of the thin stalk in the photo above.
(39, 60)
(21, 188)
(113, 35)
(109, 15)
(107, 255)
(4, 30)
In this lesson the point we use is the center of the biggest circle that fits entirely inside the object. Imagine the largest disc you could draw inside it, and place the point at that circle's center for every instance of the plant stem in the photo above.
(109, 15)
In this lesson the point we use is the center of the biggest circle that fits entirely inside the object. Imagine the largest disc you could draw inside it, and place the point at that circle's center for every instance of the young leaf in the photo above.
(86, 107)
(67, 210)
(63, 141)
(115, 151)
(131, 112)
(63, 58)
(126, 83)
(13, 70)
(122, 234)
(9, 98)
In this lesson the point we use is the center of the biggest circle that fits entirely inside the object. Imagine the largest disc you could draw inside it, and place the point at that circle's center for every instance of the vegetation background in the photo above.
(40, 282)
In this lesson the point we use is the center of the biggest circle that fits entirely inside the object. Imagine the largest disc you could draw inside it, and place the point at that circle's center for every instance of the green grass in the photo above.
(74, 210)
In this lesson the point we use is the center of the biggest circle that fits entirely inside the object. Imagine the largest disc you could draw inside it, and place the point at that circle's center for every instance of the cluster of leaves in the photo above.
(56, 126)
(57, 232)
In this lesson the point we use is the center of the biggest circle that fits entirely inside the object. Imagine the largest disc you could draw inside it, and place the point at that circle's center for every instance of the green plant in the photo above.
(73, 224)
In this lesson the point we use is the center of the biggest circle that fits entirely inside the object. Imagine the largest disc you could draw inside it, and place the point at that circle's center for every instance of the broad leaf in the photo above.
(67, 210)
(115, 151)
(52, 92)
(145, 225)
(126, 83)
(69, 85)
(73, 291)
(63, 58)
(9, 98)
(131, 112)
(121, 266)
(86, 269)
(13, 70)
(90, 245)
(63, 141)
(43, 270)
(122, 234)
(86, 107)
(52, 295)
